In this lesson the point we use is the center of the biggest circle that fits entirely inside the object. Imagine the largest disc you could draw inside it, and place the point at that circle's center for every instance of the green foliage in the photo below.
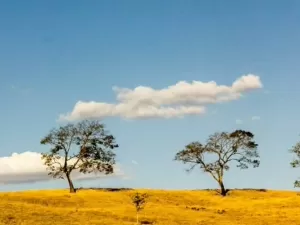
(295, 150)
(220, 150)
(85, 146)
(139, 200)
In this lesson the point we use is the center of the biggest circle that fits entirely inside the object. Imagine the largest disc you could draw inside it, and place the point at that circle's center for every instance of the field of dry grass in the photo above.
(88, 207)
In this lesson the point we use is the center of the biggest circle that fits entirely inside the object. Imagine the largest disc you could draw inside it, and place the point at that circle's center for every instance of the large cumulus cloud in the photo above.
(28, 167)
(177, 100)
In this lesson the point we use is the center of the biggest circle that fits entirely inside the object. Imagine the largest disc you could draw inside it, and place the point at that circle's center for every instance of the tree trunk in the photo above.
(137, 218)
(71, 185)
(223, 190)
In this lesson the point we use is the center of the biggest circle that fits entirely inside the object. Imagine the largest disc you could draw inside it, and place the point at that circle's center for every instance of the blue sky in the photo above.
(56, 53)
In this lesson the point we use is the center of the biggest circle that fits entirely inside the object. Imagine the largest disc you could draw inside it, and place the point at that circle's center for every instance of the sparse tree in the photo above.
(85, 147)
(139, 201)
(296, 161)
(219, 152)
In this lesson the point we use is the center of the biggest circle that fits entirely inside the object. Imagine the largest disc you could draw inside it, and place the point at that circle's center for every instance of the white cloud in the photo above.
(134, 162)
(20, 90)
(28, 167)
(255, 118)
(177, 100)
(238, 121)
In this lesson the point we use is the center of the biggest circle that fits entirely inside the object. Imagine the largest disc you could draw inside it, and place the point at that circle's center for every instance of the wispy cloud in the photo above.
(175, 101)
(134, 162)
(238, 121)
(255, 118)
(20, 90)
(28, 167)
(214, 112)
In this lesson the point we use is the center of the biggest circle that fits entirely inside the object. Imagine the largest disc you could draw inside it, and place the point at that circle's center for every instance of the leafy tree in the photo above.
(139, 201)
(86, 147)
(296, 161)
(219, 152)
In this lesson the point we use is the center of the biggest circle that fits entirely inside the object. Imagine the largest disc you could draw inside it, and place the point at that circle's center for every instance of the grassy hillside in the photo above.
(89, 207)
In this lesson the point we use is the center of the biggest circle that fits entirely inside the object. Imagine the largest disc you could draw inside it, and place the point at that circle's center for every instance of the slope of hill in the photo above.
(91, 207)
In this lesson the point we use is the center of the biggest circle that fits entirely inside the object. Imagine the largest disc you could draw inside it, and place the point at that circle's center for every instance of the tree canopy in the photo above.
(86, 147)
(295, 150)
(220, 150)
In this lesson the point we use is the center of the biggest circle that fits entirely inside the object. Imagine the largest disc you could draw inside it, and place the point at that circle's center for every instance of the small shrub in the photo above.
(262, 190)
(221, 211)
(196, 208)
(253, 189)
(147, 222)
(139, 201)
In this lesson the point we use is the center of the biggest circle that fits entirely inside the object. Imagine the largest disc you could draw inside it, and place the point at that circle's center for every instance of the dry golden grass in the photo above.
(88, 207)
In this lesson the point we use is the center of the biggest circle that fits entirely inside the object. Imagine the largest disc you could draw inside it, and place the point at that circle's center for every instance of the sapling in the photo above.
(139, 201)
